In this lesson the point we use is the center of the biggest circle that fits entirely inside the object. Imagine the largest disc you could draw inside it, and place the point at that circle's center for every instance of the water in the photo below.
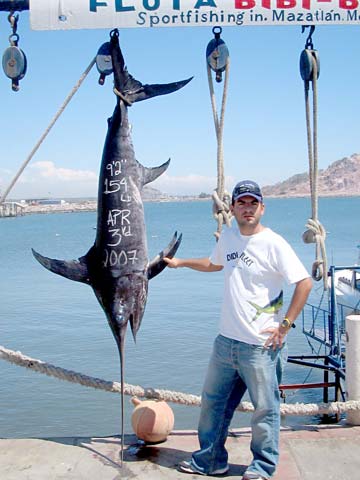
(58, 321)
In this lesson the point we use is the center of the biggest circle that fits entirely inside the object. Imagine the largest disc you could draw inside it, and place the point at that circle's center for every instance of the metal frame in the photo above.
(327, 327)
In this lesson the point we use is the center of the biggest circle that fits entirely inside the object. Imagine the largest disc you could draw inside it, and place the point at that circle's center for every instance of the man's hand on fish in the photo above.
(172, 262)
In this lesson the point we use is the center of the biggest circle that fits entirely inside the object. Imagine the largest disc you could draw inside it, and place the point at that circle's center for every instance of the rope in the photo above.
(39, 366)
(316, 232)
(44, 135)
(221, 198)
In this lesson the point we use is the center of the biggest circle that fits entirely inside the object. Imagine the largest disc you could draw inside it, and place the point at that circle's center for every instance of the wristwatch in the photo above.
(286, 324)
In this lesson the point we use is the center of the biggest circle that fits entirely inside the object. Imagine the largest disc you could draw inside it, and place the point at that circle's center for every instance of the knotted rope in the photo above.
(316, 232)
(39, 366)
(45, 134)
(221, 198)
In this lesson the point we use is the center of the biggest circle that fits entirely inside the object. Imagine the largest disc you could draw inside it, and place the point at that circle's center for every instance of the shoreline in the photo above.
(73, 205)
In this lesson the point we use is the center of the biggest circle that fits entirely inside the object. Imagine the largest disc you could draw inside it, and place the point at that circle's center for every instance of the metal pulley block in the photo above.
(104, 62)
(217, 54)
(307, 58)
(14, 64)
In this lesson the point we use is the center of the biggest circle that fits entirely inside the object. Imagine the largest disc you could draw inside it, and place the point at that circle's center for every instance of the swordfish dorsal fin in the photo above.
(76, 270)
(157, 264)
(150, 174)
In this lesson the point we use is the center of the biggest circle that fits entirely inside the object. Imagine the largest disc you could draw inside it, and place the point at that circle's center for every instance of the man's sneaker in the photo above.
(253, 476)
(191, 467)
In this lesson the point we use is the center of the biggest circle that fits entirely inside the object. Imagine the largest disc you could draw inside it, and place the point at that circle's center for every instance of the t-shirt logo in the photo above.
(273, 307)
(243, 257)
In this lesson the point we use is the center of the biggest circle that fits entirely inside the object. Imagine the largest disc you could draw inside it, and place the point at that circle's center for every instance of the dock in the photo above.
(11, 209)
(312, 452)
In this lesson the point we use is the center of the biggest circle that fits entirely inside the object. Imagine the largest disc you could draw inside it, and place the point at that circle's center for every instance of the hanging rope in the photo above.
(218, 60)
(310, 69)
(39, 366)
(44, 135)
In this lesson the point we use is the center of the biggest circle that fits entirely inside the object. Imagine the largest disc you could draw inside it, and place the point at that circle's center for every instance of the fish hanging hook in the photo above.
(309, 43)
(13, 20)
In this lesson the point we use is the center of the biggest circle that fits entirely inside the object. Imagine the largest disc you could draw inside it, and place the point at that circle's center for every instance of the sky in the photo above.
(264, 128)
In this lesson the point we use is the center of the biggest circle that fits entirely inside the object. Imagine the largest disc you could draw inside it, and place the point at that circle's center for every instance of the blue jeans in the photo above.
(234, 368)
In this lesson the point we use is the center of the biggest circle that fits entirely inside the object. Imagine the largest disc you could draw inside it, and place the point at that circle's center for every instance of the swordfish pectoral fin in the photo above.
(151, 174)
(76, 270)
(157, 264)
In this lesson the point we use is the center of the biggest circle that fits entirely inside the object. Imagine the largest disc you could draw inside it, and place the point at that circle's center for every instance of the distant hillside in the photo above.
(341, 178)
(150, 194)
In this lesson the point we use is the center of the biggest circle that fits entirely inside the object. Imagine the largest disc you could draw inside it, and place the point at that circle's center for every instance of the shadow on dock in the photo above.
(314, 452)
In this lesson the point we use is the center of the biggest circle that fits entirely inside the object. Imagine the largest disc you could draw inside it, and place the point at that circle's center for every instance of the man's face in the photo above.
(248, 212)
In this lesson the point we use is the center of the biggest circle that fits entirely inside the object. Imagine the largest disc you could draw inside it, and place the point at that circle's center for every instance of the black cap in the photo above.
(247, 187)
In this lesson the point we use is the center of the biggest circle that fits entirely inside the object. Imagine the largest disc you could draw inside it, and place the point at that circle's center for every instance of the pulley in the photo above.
(104, 62)
(14, 65)
(217, 54)
(307, 58)
(14, 60)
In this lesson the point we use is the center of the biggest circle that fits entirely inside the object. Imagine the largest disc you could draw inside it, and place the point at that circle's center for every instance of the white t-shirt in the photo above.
(255, 268)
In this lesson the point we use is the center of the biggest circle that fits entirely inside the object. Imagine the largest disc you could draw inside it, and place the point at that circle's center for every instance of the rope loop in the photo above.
(317, 271)
(309, 70)
(221, 198)
(316, 233)
(221, 210)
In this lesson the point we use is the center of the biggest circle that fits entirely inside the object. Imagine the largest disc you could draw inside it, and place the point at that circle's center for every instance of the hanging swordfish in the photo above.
(117, 266)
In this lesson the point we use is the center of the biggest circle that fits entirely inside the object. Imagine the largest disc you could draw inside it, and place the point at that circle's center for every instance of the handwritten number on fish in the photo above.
(115, 233)
(115, 167)
(114, 258)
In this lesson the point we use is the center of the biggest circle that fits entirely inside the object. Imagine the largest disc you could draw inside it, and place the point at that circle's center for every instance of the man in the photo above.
(249, 351)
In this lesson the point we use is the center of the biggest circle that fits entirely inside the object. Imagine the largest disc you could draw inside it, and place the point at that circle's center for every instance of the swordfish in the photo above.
(117, 265)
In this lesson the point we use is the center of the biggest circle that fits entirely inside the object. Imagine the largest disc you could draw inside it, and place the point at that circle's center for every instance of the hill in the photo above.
(341, 178)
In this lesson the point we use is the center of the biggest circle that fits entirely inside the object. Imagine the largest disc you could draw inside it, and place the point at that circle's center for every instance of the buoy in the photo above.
(152, 421)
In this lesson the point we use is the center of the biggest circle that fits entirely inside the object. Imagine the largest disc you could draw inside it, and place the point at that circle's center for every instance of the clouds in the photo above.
(50, 171)
(191, 184)
(45, 178)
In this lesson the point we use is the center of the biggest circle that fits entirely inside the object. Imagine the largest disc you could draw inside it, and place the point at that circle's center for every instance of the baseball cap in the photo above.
(247, 187)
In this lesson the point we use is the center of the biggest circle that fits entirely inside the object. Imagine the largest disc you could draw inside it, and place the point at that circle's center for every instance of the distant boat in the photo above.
(347, 288)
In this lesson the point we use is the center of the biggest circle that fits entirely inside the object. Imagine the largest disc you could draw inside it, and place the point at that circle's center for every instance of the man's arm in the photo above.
(199, 264)
(298, 300)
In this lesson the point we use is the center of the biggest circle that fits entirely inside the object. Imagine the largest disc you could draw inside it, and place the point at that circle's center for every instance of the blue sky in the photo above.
(264, 133)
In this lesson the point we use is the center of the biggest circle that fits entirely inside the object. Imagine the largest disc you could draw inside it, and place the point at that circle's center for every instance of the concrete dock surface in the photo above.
(314, 452)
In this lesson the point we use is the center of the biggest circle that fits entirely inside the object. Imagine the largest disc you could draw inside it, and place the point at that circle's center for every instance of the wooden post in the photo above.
(353, 365)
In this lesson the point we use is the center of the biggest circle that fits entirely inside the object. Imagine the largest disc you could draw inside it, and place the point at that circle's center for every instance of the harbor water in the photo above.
(58, 321)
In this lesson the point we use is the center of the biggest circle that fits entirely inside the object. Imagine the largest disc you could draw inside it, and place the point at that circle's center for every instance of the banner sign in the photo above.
(75, 14)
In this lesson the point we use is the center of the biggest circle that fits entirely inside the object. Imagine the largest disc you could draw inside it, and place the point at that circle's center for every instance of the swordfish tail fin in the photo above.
(155, 90)
(129, 89)
(76, 270)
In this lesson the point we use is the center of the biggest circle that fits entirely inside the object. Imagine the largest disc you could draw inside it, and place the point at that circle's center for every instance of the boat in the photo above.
(346, 284)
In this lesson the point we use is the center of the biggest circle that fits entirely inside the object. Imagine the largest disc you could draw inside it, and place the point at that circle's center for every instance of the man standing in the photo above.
(249, 352)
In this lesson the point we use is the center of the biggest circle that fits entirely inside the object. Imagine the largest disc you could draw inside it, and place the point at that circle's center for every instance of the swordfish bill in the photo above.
(117, 265)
